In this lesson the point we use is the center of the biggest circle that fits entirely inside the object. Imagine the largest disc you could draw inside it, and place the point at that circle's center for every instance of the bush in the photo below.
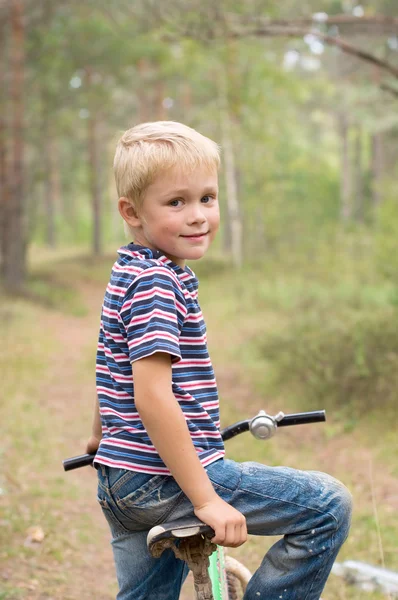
(349, 363)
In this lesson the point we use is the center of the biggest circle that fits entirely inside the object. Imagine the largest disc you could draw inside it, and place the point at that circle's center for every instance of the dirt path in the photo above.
(86, 571)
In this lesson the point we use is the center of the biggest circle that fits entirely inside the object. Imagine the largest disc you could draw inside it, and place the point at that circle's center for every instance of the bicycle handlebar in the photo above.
(262, 426)
(316, 416)
(84, 460)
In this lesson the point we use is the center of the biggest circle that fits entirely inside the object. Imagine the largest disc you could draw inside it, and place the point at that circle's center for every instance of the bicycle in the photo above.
(217, 576)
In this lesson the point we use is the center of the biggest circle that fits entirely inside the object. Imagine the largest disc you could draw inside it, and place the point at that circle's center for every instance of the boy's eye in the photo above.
(206, 199)
(174, 202)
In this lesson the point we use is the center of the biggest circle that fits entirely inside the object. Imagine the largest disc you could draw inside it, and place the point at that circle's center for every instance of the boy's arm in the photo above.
(96, 434)
(167, 428)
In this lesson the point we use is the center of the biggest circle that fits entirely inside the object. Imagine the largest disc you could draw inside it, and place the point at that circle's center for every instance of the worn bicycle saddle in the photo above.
(180, 528)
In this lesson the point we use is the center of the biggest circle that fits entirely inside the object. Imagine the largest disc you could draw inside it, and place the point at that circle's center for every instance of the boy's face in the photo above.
(180, 214)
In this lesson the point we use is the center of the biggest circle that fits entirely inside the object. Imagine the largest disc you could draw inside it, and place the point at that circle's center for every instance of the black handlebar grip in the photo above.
(78, 461)
(316, 416)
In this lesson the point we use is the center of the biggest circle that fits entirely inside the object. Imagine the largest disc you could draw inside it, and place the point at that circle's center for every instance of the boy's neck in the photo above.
(178, 261)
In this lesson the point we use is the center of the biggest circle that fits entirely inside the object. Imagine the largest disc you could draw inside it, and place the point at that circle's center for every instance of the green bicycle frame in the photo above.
(217, 574)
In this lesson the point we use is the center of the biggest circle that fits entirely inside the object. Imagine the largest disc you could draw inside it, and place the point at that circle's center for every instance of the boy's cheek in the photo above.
(215, 226)
(213, 234)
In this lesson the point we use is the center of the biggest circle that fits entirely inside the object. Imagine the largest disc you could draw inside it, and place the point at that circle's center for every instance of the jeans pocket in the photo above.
(116, 526)
(151, 503)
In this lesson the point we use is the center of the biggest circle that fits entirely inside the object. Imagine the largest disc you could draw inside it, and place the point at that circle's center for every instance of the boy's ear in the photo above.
(128, 212)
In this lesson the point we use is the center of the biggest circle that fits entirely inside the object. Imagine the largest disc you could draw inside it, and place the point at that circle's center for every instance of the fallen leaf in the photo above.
(35, 534)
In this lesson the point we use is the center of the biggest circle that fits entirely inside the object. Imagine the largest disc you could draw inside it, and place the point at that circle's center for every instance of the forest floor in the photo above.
(54, 539)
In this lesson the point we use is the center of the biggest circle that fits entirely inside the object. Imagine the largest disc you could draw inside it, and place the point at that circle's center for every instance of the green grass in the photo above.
(10, 593)
(31, 436)
(264, 307)
(309, 340)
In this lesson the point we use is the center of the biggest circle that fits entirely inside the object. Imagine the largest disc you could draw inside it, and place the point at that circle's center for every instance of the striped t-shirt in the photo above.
(151, 305)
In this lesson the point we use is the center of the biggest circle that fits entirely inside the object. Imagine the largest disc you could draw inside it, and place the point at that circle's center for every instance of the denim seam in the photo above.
(223, 487)
(103, 488)
(181, 497)
(122, 507)
(238, 488)
(233, 490)
(113, 517)
(138, 495)
(293, 504)
(122, 480)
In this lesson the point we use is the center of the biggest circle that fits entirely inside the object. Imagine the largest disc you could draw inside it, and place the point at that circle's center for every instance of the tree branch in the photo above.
(382, 22)
(273, 31)
(389, 88)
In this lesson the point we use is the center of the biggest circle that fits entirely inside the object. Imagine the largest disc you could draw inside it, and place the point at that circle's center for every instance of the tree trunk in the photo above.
(4, 192)
(260, 242)
(50, 186)
(234, 220)
(50, 191)
(345, 181)
(377, 167)
(15, 242)
(358, 175)
(96, 199)
(56, 180)
(94, 169)
(144, 108)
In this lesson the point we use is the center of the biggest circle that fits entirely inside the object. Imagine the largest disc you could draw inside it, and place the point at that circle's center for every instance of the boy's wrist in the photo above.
(93, 444)
(203, 493)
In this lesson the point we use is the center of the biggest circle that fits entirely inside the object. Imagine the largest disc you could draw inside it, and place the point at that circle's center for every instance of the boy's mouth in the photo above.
(195, 235)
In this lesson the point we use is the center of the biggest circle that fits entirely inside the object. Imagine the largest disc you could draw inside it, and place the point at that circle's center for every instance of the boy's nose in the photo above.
(196, 216)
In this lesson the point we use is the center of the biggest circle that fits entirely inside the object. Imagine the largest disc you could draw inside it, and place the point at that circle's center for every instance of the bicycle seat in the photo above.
(180, 528)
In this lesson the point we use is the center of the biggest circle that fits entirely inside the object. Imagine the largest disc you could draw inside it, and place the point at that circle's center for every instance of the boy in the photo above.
(159, 450)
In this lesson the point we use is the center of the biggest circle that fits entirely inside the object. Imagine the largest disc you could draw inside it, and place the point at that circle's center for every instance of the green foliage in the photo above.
(332, 285)
(286, 144)
(48, 291)
(11, 593)
(317, 327)
(344, 361)
(386, 239)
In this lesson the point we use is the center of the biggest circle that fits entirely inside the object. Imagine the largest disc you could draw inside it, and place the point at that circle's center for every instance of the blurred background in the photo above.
(300, 291)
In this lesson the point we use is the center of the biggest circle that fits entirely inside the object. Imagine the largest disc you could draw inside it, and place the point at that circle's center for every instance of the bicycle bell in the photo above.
(263, 426)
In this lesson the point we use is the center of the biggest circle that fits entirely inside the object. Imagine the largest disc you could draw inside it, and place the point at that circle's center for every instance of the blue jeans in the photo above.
(311, 510)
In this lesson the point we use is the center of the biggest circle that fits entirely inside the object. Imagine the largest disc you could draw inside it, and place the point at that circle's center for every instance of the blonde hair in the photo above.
(147, 149)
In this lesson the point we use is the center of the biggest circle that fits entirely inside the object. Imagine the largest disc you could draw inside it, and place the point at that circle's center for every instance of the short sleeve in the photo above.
(153, 314)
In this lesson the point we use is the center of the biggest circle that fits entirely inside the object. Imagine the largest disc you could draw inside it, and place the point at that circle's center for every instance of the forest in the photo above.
(299, 291)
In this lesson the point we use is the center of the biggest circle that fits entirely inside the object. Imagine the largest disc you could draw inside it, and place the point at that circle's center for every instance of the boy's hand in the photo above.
(92, 445)
(228, 523)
